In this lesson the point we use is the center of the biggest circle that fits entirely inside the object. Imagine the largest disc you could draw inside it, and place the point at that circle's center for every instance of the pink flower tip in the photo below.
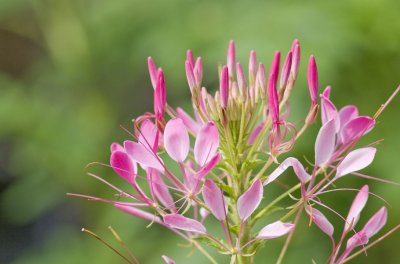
(224, 87)
(313, 79)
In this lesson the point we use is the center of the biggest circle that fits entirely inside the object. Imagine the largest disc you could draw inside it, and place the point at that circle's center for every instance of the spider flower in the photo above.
(181, 169)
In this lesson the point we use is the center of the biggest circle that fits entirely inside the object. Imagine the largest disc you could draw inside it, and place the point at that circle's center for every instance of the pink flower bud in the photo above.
(252, 67)
(152, 71)
(224, 87)
(295, 58)
(286, 70)
(198, 72)
(273, 101)
(230, 62)
(190, 77)
(313, 80)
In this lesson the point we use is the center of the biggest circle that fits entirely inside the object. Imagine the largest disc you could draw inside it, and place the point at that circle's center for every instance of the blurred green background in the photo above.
(72, 71)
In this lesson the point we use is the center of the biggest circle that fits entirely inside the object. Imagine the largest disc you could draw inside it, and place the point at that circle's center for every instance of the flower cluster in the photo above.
(217, 163)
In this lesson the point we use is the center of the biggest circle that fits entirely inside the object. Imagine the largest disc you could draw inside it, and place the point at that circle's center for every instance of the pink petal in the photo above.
(152, 72)
(347, 113)
(327, 92)
(321, 221)
(160, 190)
(176, 140)
(188, 121)
(328, 112)
(289, 162)
(224, 87)
(250, 200)
(215, 200)
(276, 229)
(325, 143)
(138, 213)
(255, 133)
(356, 240)
(356, 208)
(143, 155)
(355, 128)
(148, 135)
(198, 71)
(375, 224)
(168, 260)
(207, 143)
(231, 58)
(240, 78)
(208, 167)
(123, 165)
(116, 147)
(295, 58)
(252, 66)
(180, 222)
(273, 102)
(356, 160)
(286, 70)
(190, 76)
(313, 79)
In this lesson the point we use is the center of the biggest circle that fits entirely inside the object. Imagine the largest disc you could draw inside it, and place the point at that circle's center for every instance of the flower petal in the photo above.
(356, 160)
(123, 165)
(325, 143)
(355, 128)
(207, 143)
(116, 147)
(168, 260)
(328, 112)
(321, 221)
(250, 200)
(377, 221)
(180, 222)
(138, 213)
(215, 200)
(143, 155)
(160, 190)
(176, 140)
(149, 135)
(208, 167)
(356, 208)
(276, 229)
(189, 122)
(297, 167)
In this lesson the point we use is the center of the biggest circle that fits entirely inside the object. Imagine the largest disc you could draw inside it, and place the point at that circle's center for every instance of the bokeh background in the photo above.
(72, 71)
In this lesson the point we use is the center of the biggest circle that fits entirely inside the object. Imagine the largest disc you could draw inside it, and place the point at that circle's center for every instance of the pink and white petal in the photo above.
(138, 213)
(250, 200)
(255, 133)
(149, 135)
(347, 113)
(215, 200)
(208, 167)
(356, 208)
(276, 229)
(321, 221)
(375, 224)
(325, 143)
(116, 147)
(356, 128)
(289, 162)
(189, 122)
(123, 165)
(327, 92)
(356, 160)
(168, 260)
(183, 223)
(206, 144)
(143, 155)
(358, 239)
(176, 140)
(328, 112)
(161, 191)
